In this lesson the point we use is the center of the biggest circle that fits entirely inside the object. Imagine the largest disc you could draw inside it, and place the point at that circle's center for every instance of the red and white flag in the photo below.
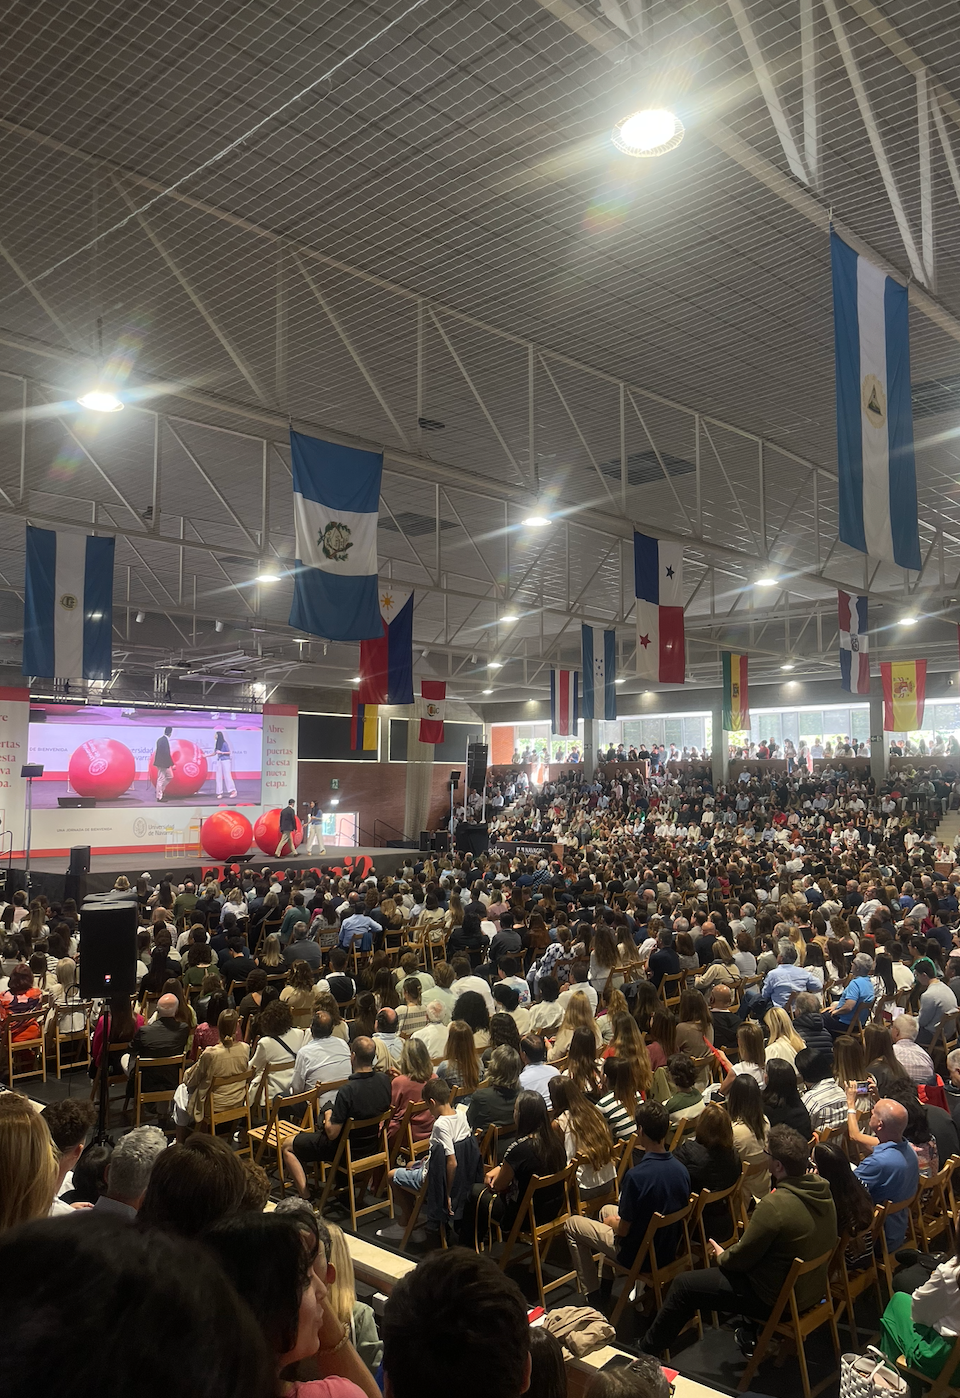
(564, 702)
(433, 695)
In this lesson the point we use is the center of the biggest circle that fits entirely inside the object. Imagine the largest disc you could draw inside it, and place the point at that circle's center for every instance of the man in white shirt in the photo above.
(579, 988)
(323, 1058)
(537, 1072)
(466, 980)
(434, 1032)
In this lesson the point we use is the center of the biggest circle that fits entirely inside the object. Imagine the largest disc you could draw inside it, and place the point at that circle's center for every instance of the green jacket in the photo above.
(797, 1219)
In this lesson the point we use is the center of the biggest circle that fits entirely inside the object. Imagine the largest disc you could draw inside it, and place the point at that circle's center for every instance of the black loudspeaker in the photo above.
(472, 839)
(76, 803)
(476, 765)
(108, 949)
(79, 860)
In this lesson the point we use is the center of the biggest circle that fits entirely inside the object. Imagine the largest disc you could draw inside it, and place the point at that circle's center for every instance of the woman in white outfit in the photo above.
(223, 761)
(315, 829)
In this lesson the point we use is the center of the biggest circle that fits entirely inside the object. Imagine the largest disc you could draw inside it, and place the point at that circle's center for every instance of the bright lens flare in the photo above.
(648, 133)
(100, 401)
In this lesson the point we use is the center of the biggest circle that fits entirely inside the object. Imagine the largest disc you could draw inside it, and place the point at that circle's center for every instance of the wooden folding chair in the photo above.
(888, 1210)
(942, 1385)
(23, 1033)
(278, 1133)
(539, 1237)
(698, 1228)
(932, 1216)
(626, 1159)
(671, 988)
(591, 1207)
(847, 1286)
(656, 1275)
(787, 1320)
(748, 1173)
(73, 1036)
(353, 1168)
(685, 1124)
(140, 1097)
(403, 1140)
(239, 1112)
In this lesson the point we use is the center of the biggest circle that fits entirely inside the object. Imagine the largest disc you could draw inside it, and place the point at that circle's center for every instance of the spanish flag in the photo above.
(904, 689)
(736, 701)
(363, 725)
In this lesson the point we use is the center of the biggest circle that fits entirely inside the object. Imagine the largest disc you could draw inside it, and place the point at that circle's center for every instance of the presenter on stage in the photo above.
(288, 825)
(223, 757)
(315, 828)
(163, 761)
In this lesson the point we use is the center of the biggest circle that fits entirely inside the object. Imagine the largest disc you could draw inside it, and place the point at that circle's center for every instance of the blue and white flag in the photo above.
(877, 471)
(599, 673)
(336, 501)
(68, 606)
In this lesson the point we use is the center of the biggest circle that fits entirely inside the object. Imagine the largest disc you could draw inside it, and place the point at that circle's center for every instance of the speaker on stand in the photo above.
(108, 967)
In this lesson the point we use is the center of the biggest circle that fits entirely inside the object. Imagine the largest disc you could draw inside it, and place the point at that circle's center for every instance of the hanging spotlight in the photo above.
(494, 665)
(268, 574)
(909, 620)
(510, 619)
(100, 400)
(765, 581)
(536, 521)
(141, 616)
(486, 691)
(650, 132)
(217, 625)
(788, 665)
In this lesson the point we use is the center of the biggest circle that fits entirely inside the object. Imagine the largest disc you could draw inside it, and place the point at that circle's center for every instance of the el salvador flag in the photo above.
(877, 471)
(336, 502)
(68, 606)
(599, 673)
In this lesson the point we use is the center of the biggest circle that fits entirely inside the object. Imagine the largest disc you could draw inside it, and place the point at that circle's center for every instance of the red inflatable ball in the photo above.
(189, 769)
(226, 835)
(266, 832)
(102, 768)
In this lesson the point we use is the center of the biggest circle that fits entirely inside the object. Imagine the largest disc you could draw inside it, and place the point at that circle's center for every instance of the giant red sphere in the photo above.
(226, 835)
(189, 769)
(266, 832)
(102, 768)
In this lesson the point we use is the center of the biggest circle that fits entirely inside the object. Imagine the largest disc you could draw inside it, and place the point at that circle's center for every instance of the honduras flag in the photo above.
(877, 472)
(68, 606)
(599, 673)
(336, 502)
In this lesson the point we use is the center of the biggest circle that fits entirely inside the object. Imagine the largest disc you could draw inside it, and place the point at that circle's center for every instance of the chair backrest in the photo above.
(527, 1213)
(147, 1065)
(659, 1221)
(16, 1023)
(242, 1108)
(702, 1201)
(355, 1127)
(798, 1269)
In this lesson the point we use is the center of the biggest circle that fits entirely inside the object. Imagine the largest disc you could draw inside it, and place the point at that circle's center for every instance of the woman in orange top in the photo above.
(21, 994)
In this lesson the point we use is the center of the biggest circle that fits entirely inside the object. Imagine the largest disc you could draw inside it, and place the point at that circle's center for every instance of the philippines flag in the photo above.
(386, 663)
(658, 570)
(875, 460)
(336, 502)
(68, 606)
(599, 672)
(564, 704)
(854, 643)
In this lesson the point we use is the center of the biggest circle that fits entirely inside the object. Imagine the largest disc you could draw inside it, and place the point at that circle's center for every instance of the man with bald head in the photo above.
(891, 1171)
(163, 1037)
(365, 1095)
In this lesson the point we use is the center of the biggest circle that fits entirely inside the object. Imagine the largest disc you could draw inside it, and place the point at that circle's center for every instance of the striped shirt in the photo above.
(826, 1103)
(916, 1061)
(622, 1125)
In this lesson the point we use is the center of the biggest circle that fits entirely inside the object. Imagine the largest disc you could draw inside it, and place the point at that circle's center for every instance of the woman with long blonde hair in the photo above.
(28, 1163)
(586, 1137)
(460, 1067)
(783, 1041)
(577, 1015)
(628, 1045)
(356, 1316)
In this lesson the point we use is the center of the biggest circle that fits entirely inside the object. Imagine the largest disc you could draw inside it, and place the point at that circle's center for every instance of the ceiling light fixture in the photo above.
(619, 681)
(909, 620)
(536, 521)
(487, 691)
(494, 665)
(766, 581)
(355, 680)
(100, 400)
(510, 619)
(788, 665)
(217, 625)
(268, 574)
(653, 131)
(141, 616)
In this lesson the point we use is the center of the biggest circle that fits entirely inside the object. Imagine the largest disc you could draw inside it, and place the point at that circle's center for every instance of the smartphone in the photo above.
(863, 1089)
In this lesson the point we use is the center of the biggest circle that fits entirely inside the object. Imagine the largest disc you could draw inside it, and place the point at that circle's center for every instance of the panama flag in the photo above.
(599, 672)
(433, 695)
(386, 662)
(336, 502)
(876, 467)
(658, 570)
(68, 606)
(854, 643)
(564, 705)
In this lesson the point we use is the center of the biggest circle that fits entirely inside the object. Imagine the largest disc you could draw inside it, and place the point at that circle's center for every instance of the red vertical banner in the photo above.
(433, 694)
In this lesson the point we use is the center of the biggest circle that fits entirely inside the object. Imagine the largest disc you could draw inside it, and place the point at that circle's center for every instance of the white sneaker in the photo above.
(391, 1232)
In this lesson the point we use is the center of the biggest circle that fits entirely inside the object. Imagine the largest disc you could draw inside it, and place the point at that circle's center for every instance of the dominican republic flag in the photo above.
(564, 702)
(68, 606)
(877, 472)
(658, 570)
(599, 672)
(336, 502)
(854, 643)
(363, 725)
(433, 695)
(386, 662)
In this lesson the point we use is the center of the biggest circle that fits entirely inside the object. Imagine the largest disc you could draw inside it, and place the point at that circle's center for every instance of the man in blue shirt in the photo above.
(787, 978)
(854, 1005)
(891, 1172)
(358, 930)
(659, 1184)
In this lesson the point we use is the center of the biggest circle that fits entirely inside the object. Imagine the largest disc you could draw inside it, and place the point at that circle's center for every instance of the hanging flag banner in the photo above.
(904, 691)
(336, 503)
(658, 570)
(875, 458)
(68, 605)
(386, 661)
(854, 643)
(363, 725)
(599, 657)
(433, 694)
(736, 699)
(564, 702)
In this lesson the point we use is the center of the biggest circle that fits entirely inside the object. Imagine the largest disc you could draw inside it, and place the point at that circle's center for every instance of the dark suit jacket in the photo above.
(161, 1039)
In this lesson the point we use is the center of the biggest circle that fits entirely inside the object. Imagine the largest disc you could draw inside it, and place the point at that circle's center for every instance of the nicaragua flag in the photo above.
(877, 471)
(564, 705)
(68, 606)
(854, 643)
(599, 672)
(336, 502)
(658, 570)
(386, 662)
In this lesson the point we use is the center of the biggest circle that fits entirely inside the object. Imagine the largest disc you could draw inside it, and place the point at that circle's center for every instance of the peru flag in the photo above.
(658, 569)
(433, 694)
(854, 643)
(386, 661)
(564, 705)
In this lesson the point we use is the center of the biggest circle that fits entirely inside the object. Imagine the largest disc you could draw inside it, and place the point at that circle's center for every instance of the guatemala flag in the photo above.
(68, 606)
(336, 502)
(599, 673)
(854, 643)
(877, 472)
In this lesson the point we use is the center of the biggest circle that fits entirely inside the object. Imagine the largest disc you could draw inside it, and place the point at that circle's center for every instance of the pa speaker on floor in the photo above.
(108, 949)
(79, 859)
(472, 839)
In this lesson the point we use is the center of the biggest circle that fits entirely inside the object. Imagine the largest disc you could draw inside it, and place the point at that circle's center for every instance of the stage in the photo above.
(50, 876)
